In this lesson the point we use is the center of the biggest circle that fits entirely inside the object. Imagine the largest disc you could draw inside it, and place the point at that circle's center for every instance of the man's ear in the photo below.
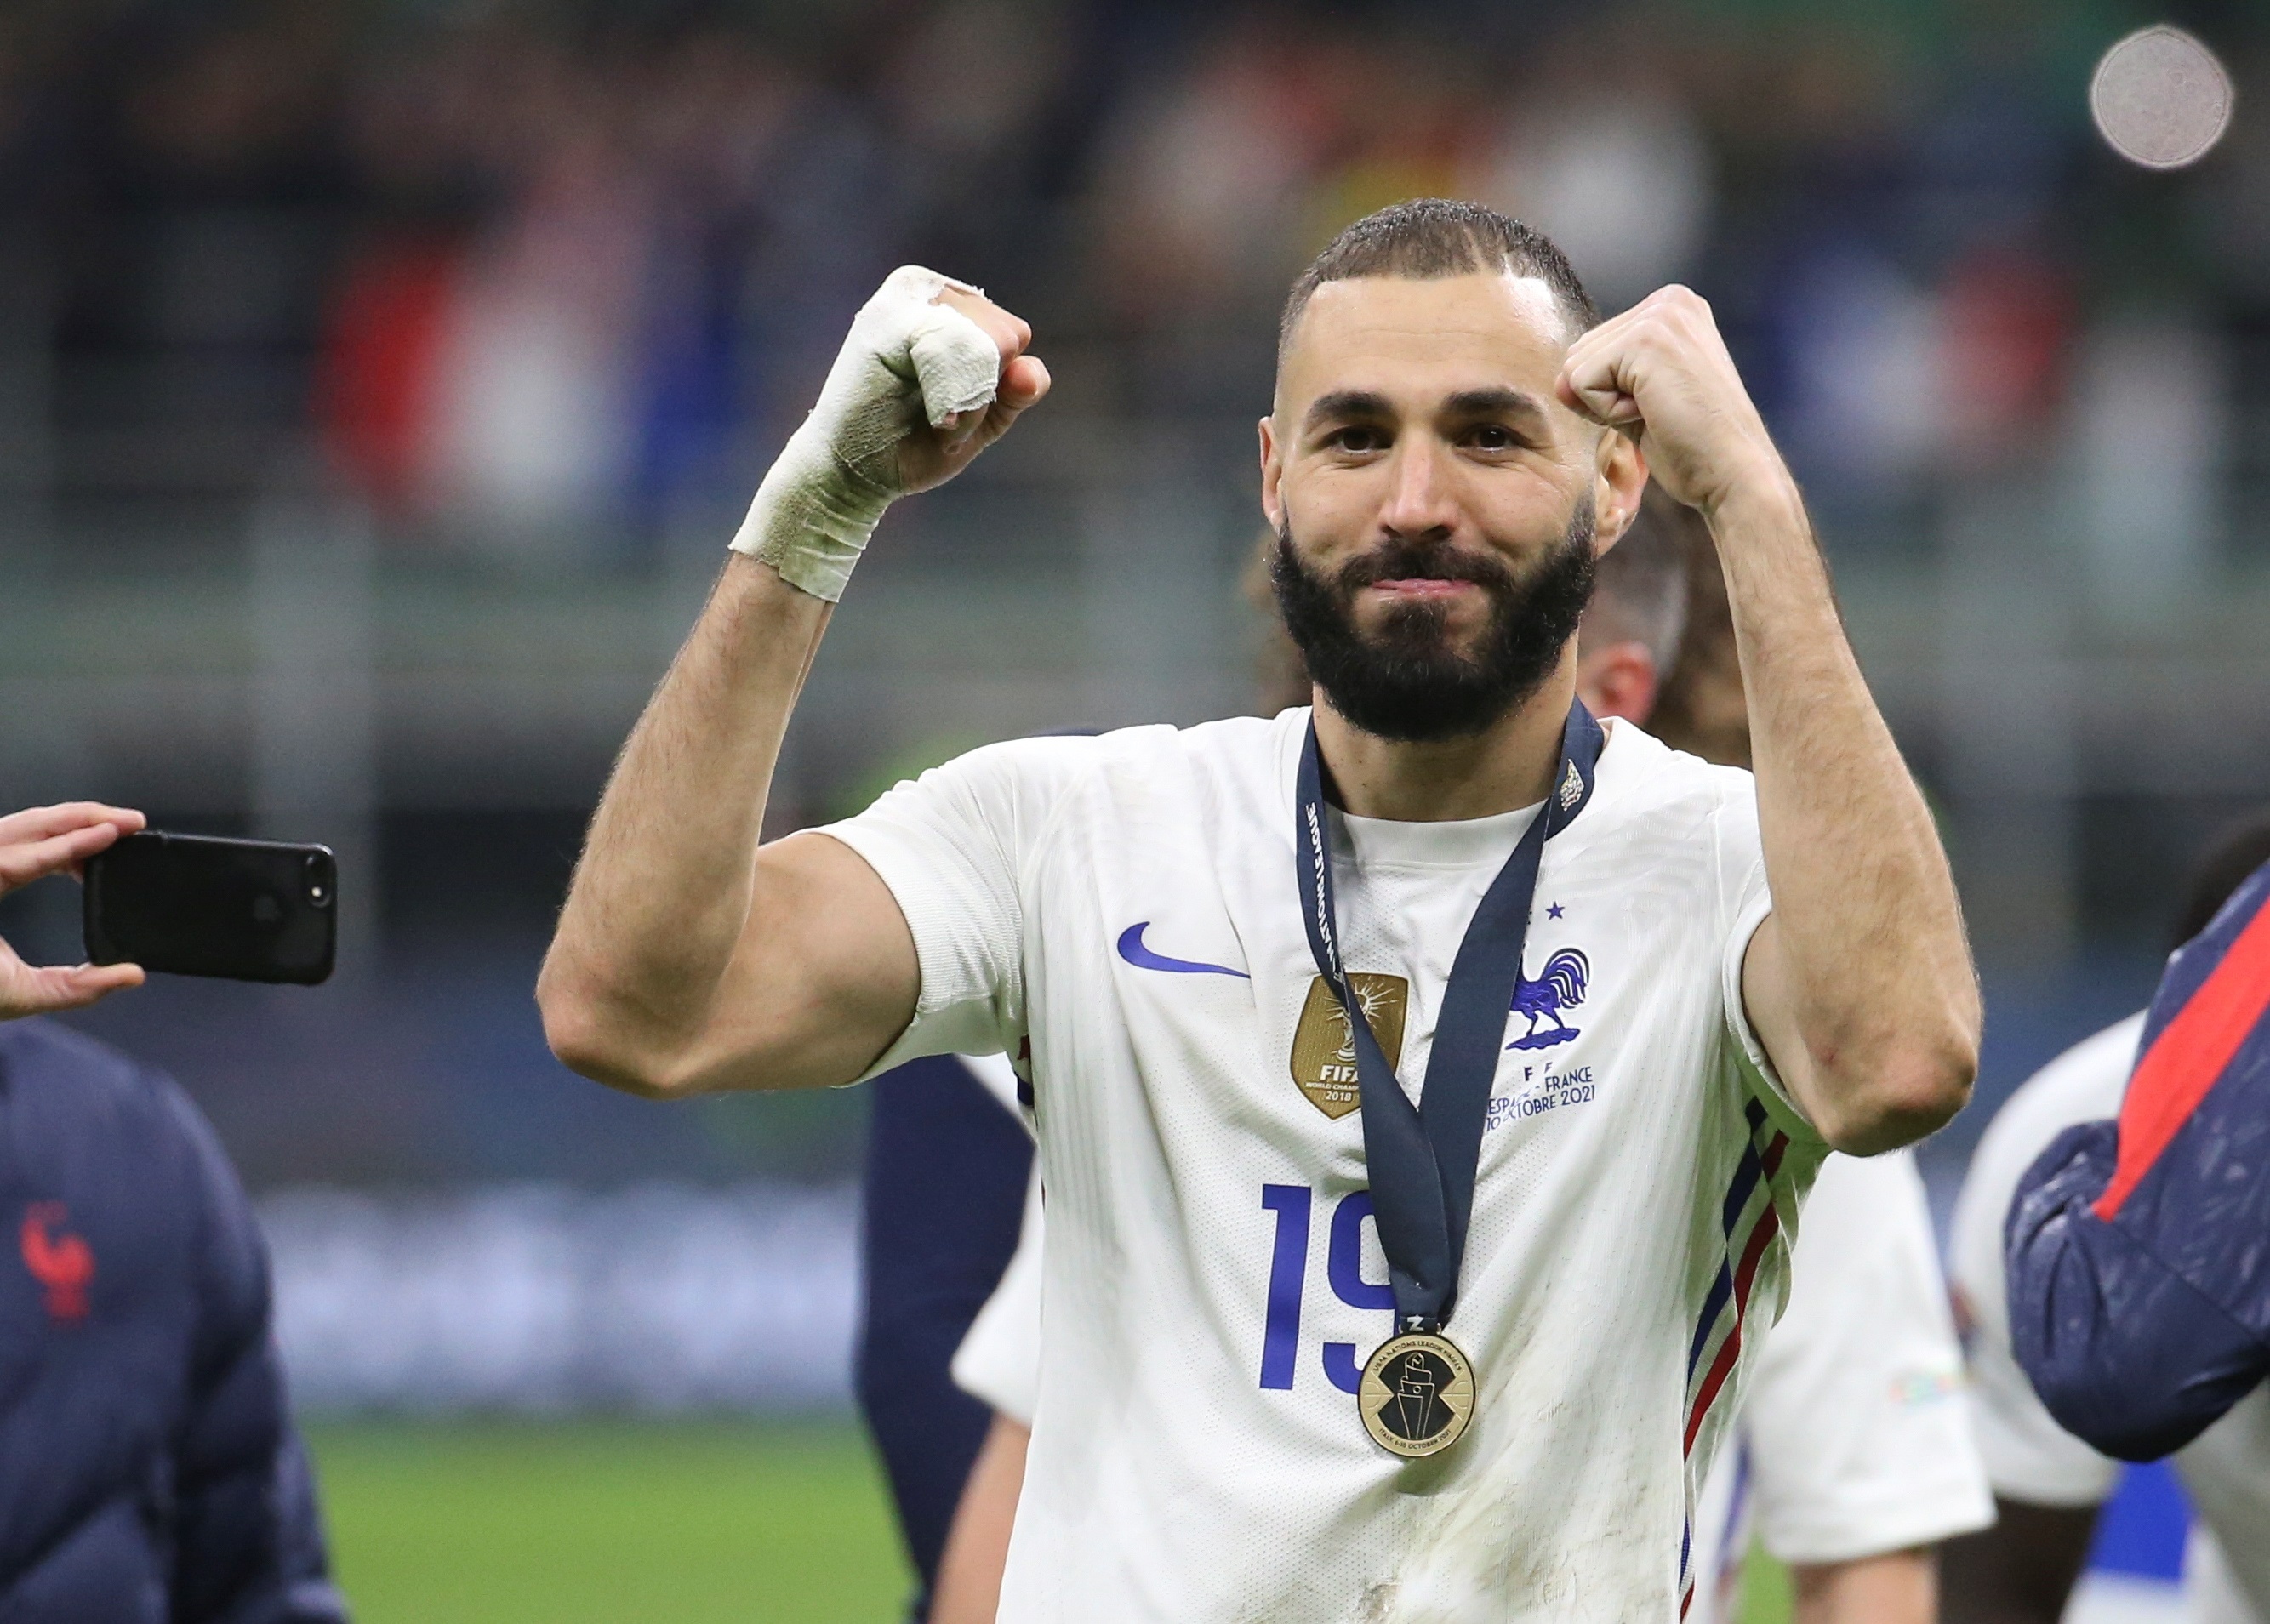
(1619, 481)
(1272, 474)
(1618, 679)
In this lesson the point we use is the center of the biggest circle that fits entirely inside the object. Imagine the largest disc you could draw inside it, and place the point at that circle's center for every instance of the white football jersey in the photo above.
(1122, 913)
(2028, 1457)
(1854, 1440)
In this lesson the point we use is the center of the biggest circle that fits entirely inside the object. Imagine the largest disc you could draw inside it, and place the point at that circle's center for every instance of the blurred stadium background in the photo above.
(379, 383)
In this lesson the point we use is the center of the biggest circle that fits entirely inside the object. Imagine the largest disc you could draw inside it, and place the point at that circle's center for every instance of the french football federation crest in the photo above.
(1560, 986)
(1324, 1048)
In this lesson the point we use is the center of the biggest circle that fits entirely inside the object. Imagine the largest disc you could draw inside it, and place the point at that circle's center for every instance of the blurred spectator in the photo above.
(1598, 148)
(152, 1472)
(1198, 207)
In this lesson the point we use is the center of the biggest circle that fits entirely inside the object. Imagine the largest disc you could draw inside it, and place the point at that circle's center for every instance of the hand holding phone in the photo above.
(197, 905)
(58, 840)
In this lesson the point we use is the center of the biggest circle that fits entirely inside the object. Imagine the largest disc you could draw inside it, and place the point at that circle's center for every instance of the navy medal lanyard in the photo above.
(1422, 1158)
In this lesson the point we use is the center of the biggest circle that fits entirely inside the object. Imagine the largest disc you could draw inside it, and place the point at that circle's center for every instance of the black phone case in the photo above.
(197, 905)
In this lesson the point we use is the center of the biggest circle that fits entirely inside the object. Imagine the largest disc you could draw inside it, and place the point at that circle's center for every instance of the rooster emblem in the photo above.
(1559, 987)
(62, 1263)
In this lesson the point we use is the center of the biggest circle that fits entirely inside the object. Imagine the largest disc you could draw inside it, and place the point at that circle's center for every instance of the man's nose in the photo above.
(1420, 500)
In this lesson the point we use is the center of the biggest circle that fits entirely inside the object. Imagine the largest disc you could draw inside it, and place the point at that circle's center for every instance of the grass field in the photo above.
(576, 1523)
(565, 1523)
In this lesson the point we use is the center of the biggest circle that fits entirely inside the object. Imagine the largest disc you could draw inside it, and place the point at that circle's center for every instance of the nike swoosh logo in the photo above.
(1132, 949)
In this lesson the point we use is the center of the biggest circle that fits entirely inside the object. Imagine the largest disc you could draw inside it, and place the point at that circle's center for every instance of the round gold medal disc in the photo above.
(1417, 1395)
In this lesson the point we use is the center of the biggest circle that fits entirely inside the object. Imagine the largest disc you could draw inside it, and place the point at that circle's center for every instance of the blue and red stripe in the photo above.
(2188, 1056)
(1749, 1221)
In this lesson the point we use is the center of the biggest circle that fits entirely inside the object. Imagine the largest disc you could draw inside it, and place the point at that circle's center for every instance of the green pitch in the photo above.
(563, 1523)
(566, 1523)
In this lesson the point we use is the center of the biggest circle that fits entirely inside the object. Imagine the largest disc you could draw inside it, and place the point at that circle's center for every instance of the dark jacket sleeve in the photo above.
(2124, 1353)
(247, 1537)
(2139, 1251)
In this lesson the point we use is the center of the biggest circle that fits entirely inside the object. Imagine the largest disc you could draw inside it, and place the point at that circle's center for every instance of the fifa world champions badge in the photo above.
(1323, 1044)
(1417, 1395)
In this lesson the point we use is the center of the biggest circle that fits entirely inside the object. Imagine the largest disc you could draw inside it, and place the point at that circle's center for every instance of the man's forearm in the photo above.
(1899, 1587)
(1866, 946)
(662, 893)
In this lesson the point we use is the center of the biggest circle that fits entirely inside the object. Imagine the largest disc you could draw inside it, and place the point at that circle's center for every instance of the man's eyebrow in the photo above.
(1341, 404)
(1493, 403)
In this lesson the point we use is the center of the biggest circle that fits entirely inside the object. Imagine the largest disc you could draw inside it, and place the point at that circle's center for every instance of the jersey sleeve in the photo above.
(2028, 1457)
(953, 848)
(1744, 903)
(1859, 1434)
(999, 1359)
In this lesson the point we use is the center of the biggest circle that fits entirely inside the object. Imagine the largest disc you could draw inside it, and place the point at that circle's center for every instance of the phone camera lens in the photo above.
(319, 895)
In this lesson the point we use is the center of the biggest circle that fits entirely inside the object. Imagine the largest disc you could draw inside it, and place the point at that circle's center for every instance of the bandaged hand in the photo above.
(932, 374)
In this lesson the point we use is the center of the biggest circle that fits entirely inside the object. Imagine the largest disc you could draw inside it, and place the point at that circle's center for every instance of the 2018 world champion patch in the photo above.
(1417, 1395)
(1324, 1048)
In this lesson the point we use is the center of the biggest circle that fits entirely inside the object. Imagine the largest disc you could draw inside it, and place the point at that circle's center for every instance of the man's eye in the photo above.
(1493, 437)
(1357, 439)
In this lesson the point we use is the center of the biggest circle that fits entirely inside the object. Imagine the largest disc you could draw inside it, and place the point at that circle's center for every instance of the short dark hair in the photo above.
(1642, 592)
(2228, 860)
(1430, 237)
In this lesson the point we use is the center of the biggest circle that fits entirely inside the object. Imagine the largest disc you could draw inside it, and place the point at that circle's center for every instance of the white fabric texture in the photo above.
(1127, 905)
(998, 1077)
(999, 1359)
(2225, 1469)
(2028, 1457)
(2212, 1590)
(1856, 1436)
(906, 358)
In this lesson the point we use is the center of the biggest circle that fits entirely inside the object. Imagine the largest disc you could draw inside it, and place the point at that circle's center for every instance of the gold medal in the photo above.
(1417, 1395)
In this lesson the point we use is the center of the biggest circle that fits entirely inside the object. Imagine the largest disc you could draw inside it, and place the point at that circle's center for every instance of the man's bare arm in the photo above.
(1860, 984)
(1899, 1587)
(690, 958)
(969, 1590)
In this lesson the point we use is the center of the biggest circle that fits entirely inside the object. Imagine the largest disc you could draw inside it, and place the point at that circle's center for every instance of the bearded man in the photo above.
(1436, 999)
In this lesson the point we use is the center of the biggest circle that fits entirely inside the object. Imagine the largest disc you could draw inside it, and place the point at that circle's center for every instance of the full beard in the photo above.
(1406, 682)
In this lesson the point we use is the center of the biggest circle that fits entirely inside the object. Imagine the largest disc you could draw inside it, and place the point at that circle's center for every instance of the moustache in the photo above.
(1400, 558)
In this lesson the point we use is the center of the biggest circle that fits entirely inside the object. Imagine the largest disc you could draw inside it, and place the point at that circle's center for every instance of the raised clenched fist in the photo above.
(934, 451)
(932, 373)
(1660, 373)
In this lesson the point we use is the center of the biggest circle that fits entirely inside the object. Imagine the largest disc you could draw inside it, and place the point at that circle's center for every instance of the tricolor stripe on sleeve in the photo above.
(1749, 1221)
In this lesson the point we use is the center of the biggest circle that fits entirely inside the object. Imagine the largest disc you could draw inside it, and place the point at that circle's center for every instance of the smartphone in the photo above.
(197, 905)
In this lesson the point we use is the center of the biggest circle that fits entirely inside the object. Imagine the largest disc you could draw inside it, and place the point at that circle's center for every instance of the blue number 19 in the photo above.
(1289, 1272)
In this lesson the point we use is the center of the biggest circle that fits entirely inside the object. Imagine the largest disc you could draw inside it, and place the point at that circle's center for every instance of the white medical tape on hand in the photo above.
(907, 358)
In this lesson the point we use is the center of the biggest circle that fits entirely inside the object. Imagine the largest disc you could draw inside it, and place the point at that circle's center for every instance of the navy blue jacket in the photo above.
(149, 1473)
(2138, 1250)
(946, 1169)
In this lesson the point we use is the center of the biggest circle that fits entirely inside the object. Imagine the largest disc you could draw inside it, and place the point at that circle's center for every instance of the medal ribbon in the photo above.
(1422, 1158)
